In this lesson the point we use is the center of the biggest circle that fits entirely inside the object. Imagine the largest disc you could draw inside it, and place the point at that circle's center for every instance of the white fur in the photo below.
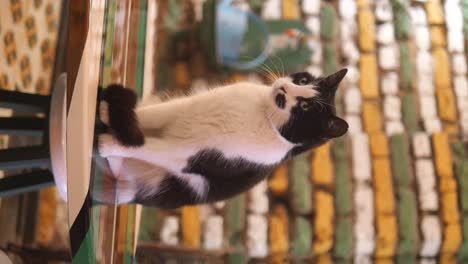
(240, 120)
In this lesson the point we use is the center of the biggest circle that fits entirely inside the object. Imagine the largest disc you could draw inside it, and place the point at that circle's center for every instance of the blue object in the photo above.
(231, 26)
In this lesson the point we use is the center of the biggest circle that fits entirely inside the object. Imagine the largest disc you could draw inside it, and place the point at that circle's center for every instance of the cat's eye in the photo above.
(304, 105)
(303, 81)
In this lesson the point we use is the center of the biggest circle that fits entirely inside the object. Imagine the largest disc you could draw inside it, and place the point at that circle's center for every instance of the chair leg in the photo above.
(24, 102)
(24, 157)
(23, 126)
(26, 182)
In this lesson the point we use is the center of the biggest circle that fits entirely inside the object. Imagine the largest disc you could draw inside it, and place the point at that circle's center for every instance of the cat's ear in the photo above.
(336, 127)
(331, 81)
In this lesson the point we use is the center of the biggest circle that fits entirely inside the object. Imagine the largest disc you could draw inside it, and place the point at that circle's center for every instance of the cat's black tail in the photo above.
(122, 117)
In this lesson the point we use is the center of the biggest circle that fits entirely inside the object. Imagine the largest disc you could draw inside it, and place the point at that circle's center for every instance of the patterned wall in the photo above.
(28, 31)
(395, 189)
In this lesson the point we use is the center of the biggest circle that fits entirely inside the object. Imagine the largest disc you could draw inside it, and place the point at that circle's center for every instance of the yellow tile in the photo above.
(291, 9)
(383, 185)
(324, 259)
(450, 213)
(443, 156)
(323, 223)
(372, 118)
(282, 213)
(362, 3)
(366, 30)
(379, 144)
(448, 259)
(447, 185)
(442, 69)
(438, 36)
(384, 261)
(279, 240)
(386, 236)
(452, 238)
(451, 129)
(447, 105)
(435, 14)
(279, 182)
(370, 84)
(190, 226)
(322, 170)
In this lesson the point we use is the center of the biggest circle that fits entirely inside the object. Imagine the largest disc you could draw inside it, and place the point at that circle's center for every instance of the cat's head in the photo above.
(304, 108)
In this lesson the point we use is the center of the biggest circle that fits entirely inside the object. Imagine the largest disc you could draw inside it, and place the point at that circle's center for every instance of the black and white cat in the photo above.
(215, 144)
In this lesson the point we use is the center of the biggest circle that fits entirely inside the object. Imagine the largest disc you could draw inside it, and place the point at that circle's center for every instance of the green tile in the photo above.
(235, 214)
(344, 238)
(406, 260)
(410, 113)
(407, 222)
(301, 185)
(402, 19)
(401, 160)
(406, 68)
(461, 171)
(301, 245)
(343, 186)
(463, 251)
(327, 22)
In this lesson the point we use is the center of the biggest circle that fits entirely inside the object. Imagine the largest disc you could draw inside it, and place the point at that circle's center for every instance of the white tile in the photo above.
(313, 24)
(352, 98)
(316, 46)
(352, 77)
(350, 52)
(364, 204)
(418, 16)
(271, 10)
(389, 83)
(362, 258)
(361, 157)
(453, 16)
(424, 63)
(460, 84)
(388, 57)
(386, 33)
(169, 231)
(348, 30)
(311, 7)
(347, 9)
(459, 63)
(422, 37)
(429, 201)
(392, 107)
(428, 261)
(428, 107)
(421, 145)
(394, 127)
(426, 85)
(383, 10)
(315, 70)
(213, 232)
(425, 175)
(258, 198)
(455, 41)
(432, 125)
(354, 123)
(257, 234)
(432, 237)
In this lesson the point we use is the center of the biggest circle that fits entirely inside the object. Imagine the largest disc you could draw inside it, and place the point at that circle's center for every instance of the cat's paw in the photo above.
(108, 146)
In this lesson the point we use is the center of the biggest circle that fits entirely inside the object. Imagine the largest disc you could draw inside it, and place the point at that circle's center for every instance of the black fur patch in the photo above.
(298, 77)
(122, 118)
(226, 178)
